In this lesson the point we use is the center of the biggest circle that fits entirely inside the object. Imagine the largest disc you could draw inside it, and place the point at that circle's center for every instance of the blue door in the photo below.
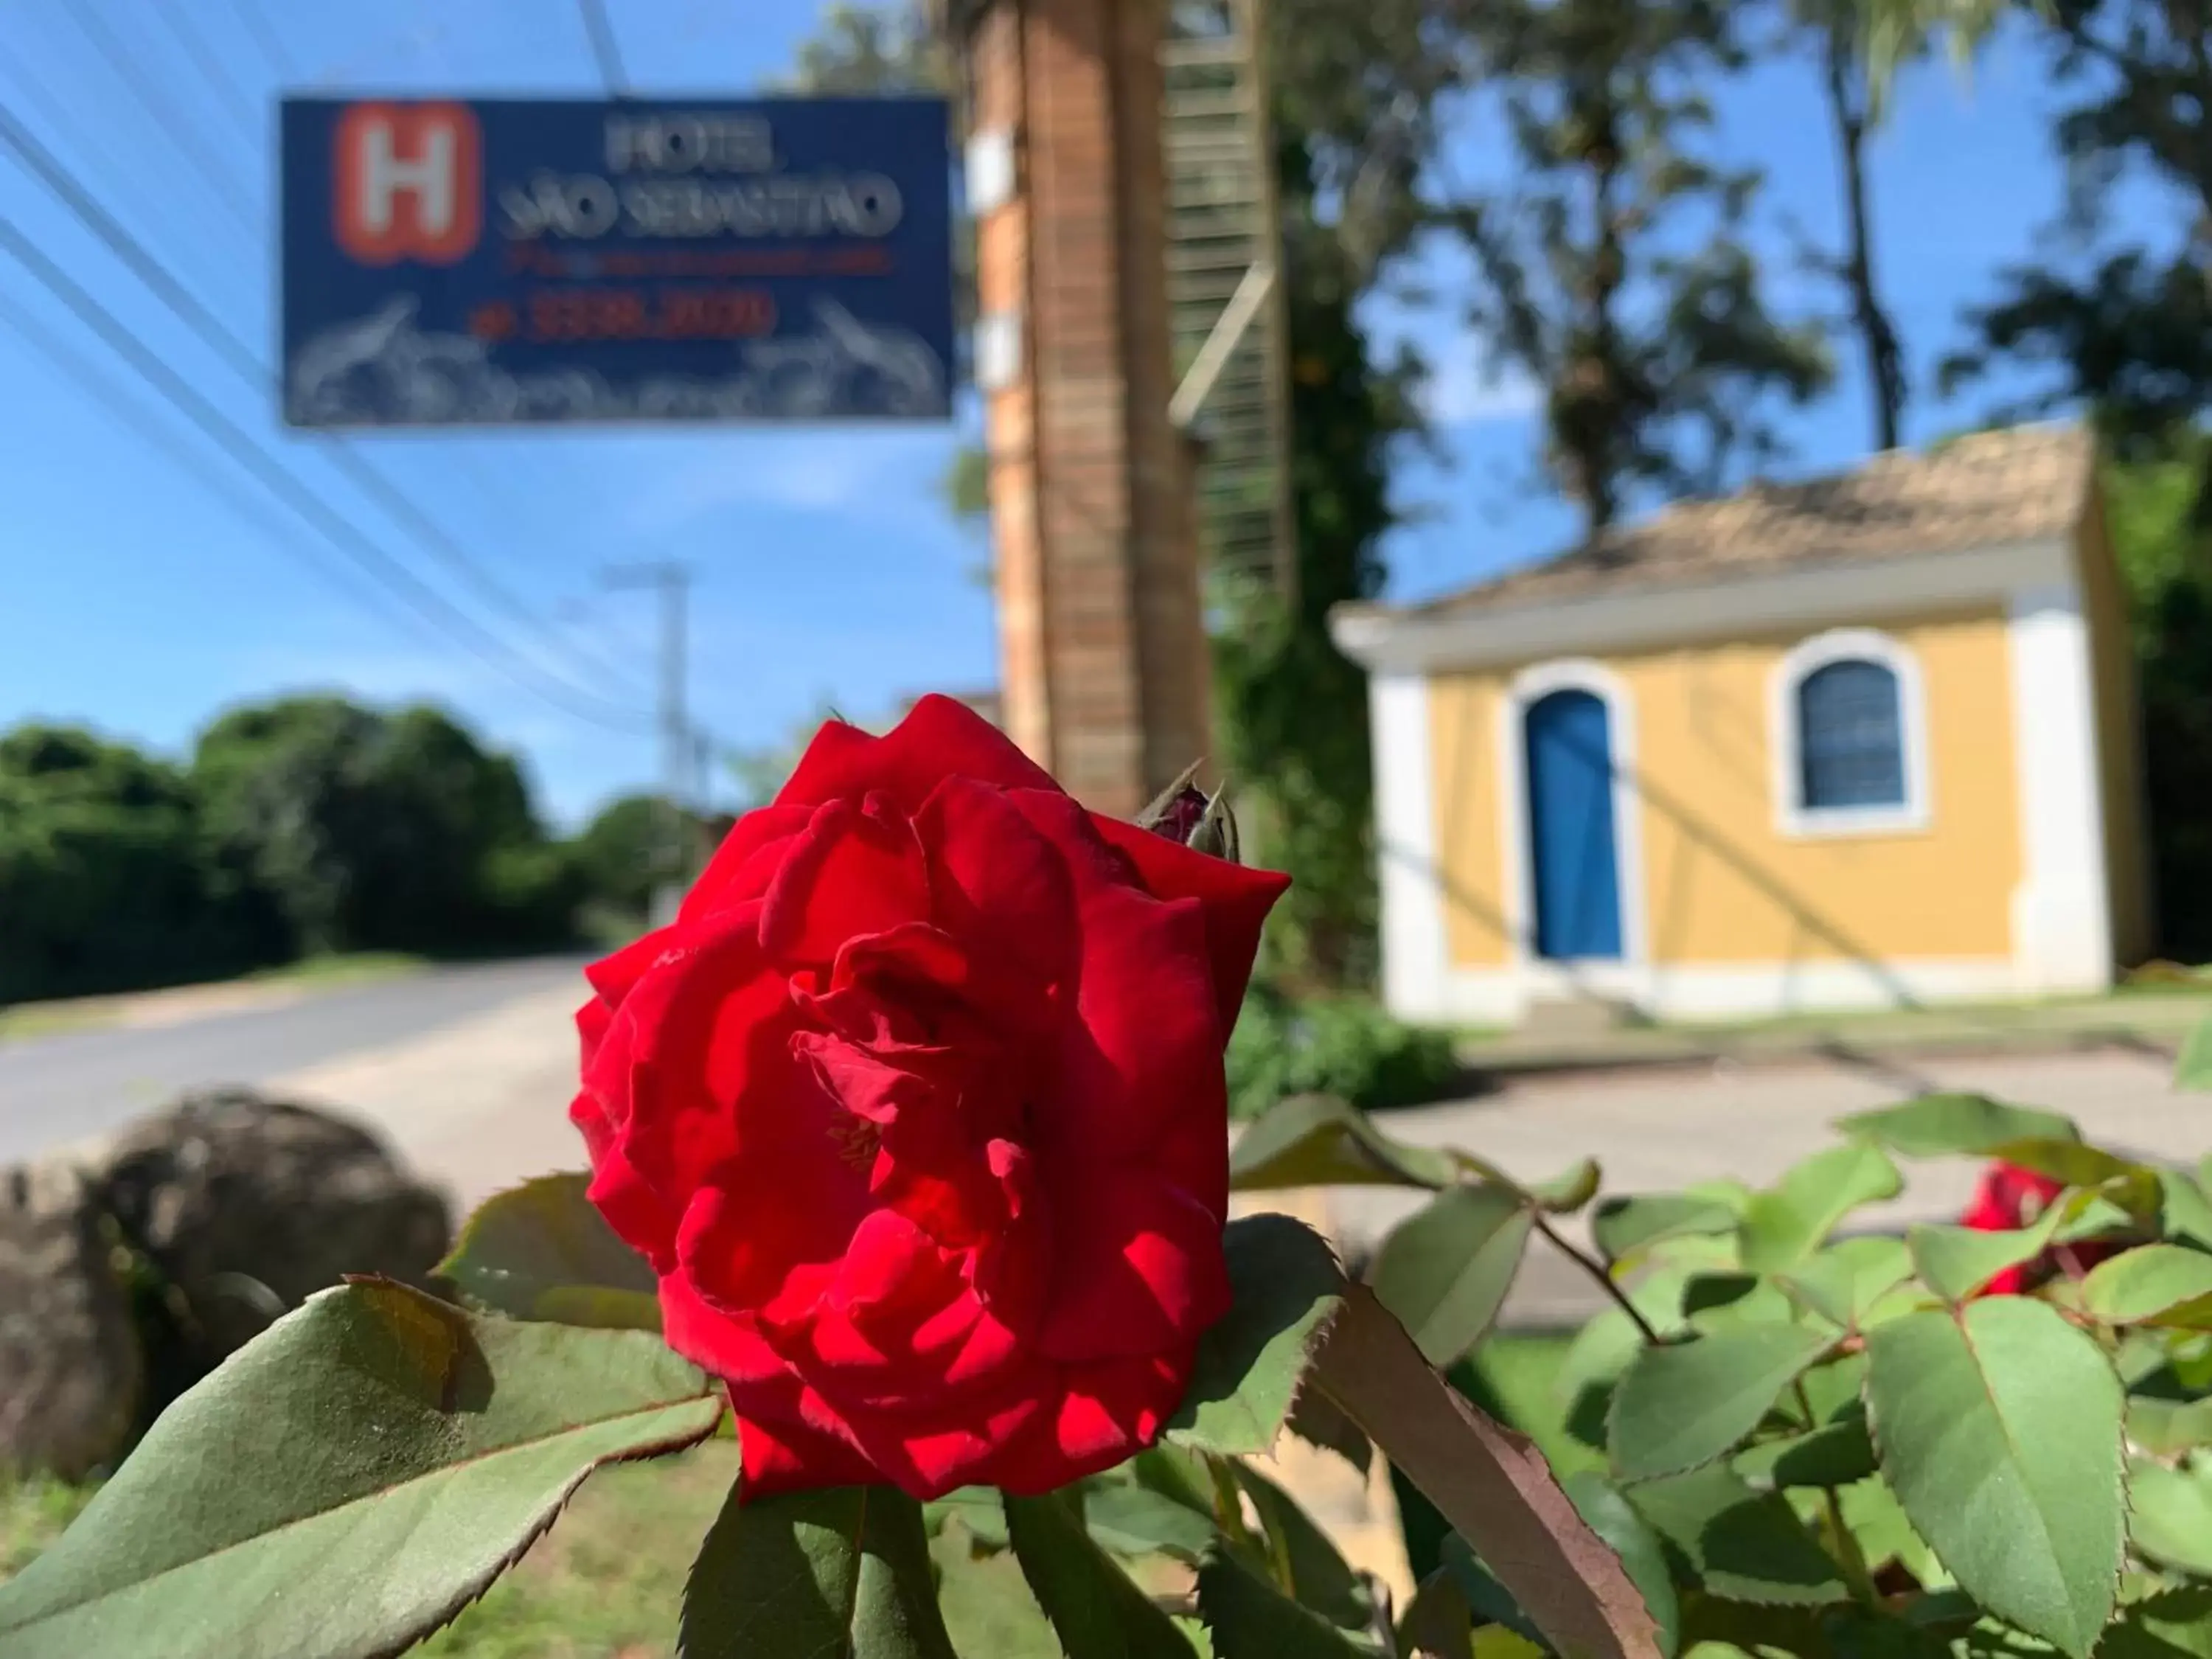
(1576, 870)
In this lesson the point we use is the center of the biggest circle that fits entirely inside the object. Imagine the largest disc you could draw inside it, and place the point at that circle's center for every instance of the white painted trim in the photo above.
(1416, 950)
(1736, 990)
(1806, 595)
(1792, 818)
(2062, 909)
(1530, 685)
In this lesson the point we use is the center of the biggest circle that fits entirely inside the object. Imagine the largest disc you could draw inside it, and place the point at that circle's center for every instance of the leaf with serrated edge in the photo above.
(1320, 1141)
(1095, 1609)
(1789, 1221)
(2170, 1516)
(1742, 1545)
(1623, 1225)
(1685, 1404)
(840, 1570)
(1248, 1617)
(1491, 1485)
(1834, 1455)
(1614, 1520)
(1320, 1421)
(1445, 1269)
(1955, 1262)
(1999, 1429)
(348, 1481)
(1845, 1283)
(2167, 1428)
(1285, 1288)
(542, 1251)
(1954, 1125)
(1133, 1521)
(2154, 1285)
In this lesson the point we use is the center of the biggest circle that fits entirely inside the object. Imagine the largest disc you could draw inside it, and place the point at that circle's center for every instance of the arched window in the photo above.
(1850, 737)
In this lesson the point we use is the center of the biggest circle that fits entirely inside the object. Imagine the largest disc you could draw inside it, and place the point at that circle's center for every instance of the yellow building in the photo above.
(1865, 741)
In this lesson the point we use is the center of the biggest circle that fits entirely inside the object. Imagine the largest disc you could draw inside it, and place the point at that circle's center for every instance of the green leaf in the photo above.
(1319, 1141)
(1847, 1280)
(978, 1510)
(1715, 1302)
(1569, 1190)
(1445, 1269)
(1135, 1520)
(1097, 1612)
(1489, 1602)
(2165, 1428)
(2192, 1067)
(1603, 1348)
(1743, 1545)
(542, 1251)
(1955, 1262)
(2184, 1210)
(1999, 1429)
(1786, 1224)
(1623, 1226)
(2170, 1515)
(1306, 1565)
(1437, 1623)
(1885, 1533)
(2174, 1624)
(841, 1571)
(1249, 1619)
(1954, 1124)
(2154, 1285)
(1285, 1290)
(2068, 1162)
(1684, 1404)
(1612, 1518)
(348, 1481)
(1834, 1455)
(1320, 1421)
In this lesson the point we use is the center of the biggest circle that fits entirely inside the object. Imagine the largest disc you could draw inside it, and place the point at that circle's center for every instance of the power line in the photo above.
(253, 511)
(605, 49)
(242, 358)
(239, 446)
(228, 92)
(156, 100)
(264, 31)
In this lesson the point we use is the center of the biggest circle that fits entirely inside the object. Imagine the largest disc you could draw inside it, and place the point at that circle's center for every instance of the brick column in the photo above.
(1102, 647)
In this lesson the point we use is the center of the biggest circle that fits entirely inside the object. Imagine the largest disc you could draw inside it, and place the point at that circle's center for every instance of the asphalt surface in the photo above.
(75, 1085)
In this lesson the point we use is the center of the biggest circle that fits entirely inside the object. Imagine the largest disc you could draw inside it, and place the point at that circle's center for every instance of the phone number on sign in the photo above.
(618, 313)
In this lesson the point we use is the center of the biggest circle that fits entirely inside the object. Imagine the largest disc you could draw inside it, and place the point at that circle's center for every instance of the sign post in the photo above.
(508, 262)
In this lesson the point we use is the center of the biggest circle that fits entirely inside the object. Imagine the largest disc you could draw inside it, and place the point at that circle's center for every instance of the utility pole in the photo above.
(673, 581)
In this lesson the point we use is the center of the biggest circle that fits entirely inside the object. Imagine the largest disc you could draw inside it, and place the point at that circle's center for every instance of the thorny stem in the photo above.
(1597, 1269)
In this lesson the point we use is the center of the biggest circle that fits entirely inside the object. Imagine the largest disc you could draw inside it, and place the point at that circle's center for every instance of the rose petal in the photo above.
(1138, 1269)
(851, 873)
(939, 738)
(1002, 886)
(780, 1452)
(1101, 1415)
(745, 861)
(1235, 899)
(747, 1236)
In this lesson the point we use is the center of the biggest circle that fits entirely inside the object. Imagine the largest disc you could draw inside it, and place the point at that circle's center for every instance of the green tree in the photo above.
(102, 886)
(358, 829)
(1659, 365)
(2128, 330)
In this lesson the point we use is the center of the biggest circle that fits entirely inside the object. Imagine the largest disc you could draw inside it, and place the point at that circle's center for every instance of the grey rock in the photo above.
(72, 1370)
(247, 1206)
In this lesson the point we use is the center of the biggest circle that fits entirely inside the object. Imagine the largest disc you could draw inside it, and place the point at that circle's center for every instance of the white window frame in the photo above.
(1793, 818)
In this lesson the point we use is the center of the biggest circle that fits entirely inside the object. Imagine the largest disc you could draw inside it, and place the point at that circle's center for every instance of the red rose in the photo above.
(918, 1112)
(2009, 1198)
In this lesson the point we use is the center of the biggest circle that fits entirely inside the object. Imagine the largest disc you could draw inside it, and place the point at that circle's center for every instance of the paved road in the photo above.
(73, 1085)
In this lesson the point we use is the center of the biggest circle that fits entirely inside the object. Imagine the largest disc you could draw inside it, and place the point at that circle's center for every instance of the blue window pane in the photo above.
(1850, 751)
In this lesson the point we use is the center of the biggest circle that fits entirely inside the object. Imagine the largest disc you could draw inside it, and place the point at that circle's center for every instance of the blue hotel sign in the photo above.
(501, 261)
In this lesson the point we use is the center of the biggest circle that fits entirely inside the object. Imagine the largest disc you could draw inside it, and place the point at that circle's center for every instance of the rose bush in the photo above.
(918, 1112)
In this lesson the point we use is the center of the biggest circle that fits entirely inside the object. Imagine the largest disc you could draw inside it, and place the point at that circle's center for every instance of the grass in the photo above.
(607, 1581)
(353, 967)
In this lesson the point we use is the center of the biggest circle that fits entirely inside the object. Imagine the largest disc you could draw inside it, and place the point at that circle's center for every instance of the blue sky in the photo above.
(137, 598)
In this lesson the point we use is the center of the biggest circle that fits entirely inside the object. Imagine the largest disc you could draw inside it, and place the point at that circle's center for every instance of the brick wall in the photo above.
(1104, 665)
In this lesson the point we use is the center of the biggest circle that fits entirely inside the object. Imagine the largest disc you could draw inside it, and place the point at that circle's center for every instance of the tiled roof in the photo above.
(2024, 484)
